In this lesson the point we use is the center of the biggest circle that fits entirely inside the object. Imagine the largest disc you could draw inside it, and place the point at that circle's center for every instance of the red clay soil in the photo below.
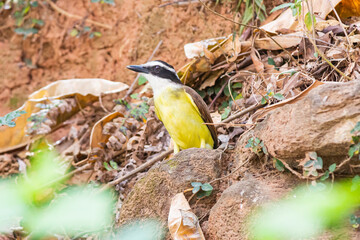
(137, 28)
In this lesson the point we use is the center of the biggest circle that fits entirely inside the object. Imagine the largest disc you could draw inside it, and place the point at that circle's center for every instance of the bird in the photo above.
(181, 109)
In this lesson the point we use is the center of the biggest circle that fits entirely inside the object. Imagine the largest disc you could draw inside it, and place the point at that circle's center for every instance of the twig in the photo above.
(101, 104)
(243, 112)
(142, 167)
(230, 124)
(131, 89)
(218, 94)
(292, 170)
(70, 15)
(180, 3)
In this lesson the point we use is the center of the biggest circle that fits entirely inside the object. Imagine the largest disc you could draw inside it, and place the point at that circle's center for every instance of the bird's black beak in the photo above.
(138, 68)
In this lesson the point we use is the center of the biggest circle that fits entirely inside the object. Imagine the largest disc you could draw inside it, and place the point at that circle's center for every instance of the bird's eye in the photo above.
(157, 69)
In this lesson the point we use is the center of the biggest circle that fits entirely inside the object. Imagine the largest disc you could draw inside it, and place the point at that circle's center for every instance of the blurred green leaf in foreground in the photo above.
(39, 203)
(306, 212)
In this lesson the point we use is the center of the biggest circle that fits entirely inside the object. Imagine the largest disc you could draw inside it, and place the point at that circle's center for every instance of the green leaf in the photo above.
(354, 149)
(34, 3)
(309, 163)
(316, 54)
(237, 85)
(355, 183)
(263, 101)
(226, 113)
(111, 2)
(95, 1)
(291, 72)
(142, 80)
(279, 165)
(196, 186)
(38, 22)
(309, 20)
(332, 167)
(356, 128)
(264, 149)
(325, 176)
(206, 187)
(210, 91)
(26, 32)
(74, 32)
(271, 61)
(107, 166)
(279, 96)
(239, 96)
(226, 91)
(25, 10)
(114, 165)
(318, 163)
(284, 5)
(97, 34)
(134, 96)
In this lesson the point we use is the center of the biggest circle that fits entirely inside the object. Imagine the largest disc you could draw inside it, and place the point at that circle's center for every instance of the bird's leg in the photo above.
(202, 144)
(176, 147)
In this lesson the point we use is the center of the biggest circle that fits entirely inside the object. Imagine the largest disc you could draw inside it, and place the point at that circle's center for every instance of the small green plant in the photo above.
(256, 145)
(46, 206)
(271, 95)
(295, 7)
(9, 118)
(202, 189)
(142, 80)
(113, 165)
(25, 26)
(137, 111)
(355, 147)
(305, 213)
(278, 165)
(86, 30)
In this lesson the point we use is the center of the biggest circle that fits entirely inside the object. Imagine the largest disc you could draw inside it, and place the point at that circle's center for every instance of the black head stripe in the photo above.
(164, 70)
(165, 63)
(165, 73)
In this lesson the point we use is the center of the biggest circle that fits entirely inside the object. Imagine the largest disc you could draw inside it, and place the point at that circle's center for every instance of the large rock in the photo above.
(228, 217)
(320, 122)
(151, 195)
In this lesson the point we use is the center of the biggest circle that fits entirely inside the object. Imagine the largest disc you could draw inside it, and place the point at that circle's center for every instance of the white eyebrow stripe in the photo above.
(156, 63)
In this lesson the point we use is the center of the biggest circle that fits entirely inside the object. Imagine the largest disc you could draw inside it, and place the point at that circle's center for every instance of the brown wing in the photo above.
(204, 111)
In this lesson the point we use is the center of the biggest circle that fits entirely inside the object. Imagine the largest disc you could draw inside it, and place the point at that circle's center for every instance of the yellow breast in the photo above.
(181, 117)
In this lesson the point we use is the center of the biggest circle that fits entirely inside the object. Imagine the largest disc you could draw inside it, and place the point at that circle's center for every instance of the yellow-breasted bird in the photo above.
(179, 107)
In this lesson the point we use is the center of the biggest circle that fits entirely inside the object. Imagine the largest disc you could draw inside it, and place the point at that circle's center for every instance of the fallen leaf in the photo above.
(83, 91)
(183, 224)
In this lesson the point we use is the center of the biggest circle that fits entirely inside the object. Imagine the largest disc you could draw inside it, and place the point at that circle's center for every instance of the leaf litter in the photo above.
(234, 73)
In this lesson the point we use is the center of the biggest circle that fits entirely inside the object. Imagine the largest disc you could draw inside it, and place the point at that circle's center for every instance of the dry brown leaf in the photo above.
(287, 21)
(226, 47)
(183, 224)
(348, 8)
(84, 91)
(285, 41)
(211, 79)
(259, 66)
(97, 137)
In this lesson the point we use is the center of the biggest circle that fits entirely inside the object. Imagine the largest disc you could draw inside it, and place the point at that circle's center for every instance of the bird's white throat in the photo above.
(159, 84)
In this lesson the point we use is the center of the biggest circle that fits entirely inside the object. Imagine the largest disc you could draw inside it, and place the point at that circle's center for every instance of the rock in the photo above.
(228, 217)
(320, 122)
(151, 195)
